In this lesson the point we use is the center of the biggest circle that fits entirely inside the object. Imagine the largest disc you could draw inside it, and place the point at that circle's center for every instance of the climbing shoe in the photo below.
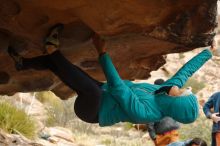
(52, 39)
(16, 57)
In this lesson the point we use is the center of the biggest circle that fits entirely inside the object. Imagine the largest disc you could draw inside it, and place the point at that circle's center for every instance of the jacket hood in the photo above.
(183, 109)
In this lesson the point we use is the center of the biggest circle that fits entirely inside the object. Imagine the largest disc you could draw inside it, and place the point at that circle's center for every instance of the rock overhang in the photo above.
(138, 34)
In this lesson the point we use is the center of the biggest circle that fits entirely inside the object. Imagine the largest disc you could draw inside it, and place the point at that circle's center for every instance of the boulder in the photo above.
(138, 33)
(19, 140)
(15, 140)
(57, 133)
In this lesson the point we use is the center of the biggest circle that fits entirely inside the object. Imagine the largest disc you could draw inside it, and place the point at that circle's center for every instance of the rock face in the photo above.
(138, 33)
(54, 139)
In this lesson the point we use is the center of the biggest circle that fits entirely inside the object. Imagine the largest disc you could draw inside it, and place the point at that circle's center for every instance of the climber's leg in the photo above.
(57, 59)
(88, 89)
(38, 63)
(57, 63)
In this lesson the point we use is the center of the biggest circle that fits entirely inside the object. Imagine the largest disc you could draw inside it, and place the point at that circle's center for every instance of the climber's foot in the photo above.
(52, 39)
(16, 57)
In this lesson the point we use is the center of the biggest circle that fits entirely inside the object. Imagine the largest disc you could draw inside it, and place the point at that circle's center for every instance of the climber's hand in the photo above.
(213, 48)
(215, 117)
(99, 44)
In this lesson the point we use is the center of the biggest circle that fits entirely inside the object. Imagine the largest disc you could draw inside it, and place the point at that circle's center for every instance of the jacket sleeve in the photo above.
(111, 74)
(151, 131)
(180, 78)
(207, 107)
(130, 103)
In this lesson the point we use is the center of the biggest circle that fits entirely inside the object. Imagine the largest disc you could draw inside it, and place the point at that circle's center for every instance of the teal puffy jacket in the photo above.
(124, 101)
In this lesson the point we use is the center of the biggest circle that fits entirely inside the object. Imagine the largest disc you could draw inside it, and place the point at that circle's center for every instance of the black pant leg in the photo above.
(70, 74)
(37, 63)
(213, 139)
(73, 76)
(88, 89)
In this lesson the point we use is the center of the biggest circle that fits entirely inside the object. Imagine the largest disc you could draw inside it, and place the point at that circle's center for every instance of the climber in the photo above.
(117, 100)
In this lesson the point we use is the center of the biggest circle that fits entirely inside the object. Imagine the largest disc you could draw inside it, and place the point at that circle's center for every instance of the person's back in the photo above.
(191, 142)
(179, 143)
(165, 125)
(164, 132)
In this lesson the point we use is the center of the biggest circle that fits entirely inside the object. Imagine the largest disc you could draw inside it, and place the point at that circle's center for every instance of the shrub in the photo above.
(49, 97)
(128, 126)
(201, 128)
(181, 55)
(14, 120)
(53, 106)
(59, 112)
(195, 84)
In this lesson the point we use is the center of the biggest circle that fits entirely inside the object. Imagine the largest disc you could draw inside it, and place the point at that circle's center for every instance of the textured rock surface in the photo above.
(138, 33)
(54, 140)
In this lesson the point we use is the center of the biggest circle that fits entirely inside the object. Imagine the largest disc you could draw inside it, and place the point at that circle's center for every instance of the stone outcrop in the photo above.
(15, 140)
(53, 140)
(138, 33)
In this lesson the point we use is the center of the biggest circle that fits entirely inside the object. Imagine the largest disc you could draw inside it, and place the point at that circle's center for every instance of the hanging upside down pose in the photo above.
(118, 100)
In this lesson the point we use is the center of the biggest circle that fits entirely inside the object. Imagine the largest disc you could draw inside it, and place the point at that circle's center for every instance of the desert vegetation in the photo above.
(14, 120)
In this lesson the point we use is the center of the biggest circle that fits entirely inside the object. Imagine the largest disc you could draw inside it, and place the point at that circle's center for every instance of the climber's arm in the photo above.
(180, 78)
(111, 74)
